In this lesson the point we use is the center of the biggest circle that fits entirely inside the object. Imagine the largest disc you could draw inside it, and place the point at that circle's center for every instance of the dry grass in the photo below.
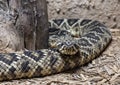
(105, 70)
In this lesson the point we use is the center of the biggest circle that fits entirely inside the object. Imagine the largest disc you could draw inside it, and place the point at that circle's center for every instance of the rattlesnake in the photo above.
(73, 42)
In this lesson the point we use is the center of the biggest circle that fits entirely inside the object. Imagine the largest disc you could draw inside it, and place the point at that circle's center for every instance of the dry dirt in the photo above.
(105, 70)
(106, 11)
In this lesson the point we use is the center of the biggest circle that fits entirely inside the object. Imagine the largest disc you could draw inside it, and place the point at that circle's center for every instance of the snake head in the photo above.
(68, 47)
(64, 44)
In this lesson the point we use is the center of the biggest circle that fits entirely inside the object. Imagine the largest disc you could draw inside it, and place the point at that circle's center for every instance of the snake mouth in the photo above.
(71, 49)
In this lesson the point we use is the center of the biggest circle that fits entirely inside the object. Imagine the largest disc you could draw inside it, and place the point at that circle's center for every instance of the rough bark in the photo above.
(42, 24)
(9, 36)
(26, 22)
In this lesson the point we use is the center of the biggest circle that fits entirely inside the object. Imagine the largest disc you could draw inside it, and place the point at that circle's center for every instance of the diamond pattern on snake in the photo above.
(72, 43)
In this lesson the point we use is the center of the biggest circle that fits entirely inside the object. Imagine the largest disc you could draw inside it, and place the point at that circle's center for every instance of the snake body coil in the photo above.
(73, 42)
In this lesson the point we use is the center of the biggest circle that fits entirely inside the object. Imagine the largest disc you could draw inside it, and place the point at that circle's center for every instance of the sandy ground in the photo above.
(105, 70)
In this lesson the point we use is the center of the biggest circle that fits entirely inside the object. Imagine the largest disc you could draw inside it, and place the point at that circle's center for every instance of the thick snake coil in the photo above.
(73, 42)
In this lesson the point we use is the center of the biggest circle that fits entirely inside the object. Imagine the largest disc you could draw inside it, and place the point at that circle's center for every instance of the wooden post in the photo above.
(29, 20)
(41, 24)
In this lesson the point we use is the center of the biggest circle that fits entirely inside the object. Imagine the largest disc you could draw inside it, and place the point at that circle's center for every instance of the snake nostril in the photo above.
(68, 43)
(60, 45)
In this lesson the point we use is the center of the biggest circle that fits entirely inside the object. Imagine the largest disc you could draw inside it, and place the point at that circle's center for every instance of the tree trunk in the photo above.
(24, 24)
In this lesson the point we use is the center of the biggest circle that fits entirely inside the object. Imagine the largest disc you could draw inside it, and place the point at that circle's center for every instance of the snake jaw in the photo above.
(68, 48)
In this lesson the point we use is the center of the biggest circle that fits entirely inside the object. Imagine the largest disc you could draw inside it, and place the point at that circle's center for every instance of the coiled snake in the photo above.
(73, 42)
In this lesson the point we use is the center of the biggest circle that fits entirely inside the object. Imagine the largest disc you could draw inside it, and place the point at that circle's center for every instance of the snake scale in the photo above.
(72, 43)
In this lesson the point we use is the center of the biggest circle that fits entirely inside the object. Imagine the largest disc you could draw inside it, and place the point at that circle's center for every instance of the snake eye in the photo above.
(76, 29)
(60, 45)
(52, 41)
